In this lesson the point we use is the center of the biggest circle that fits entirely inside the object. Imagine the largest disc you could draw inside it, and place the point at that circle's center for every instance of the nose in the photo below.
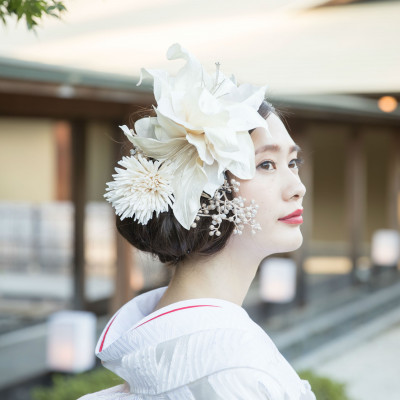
(295, 188)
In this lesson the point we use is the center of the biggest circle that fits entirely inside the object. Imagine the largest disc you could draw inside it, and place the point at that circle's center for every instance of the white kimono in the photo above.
(194, 349)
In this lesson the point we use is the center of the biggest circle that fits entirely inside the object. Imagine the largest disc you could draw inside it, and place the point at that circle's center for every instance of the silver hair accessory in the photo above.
(233, 210)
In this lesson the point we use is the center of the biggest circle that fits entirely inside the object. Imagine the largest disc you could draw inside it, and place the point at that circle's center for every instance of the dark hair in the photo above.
(166, 238)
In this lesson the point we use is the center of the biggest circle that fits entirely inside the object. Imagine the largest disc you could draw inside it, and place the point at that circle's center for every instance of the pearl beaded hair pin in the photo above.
(233, 210)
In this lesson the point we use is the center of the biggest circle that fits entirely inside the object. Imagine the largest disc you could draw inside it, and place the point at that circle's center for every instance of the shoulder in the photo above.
(241, 383)
(246, 383)
(238, 361)
(250, 383)
(205, 351)
(197, 331)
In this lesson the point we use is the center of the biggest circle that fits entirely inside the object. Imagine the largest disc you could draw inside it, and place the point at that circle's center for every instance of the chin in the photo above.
(265, 245)
(291, 243)
(297, 242)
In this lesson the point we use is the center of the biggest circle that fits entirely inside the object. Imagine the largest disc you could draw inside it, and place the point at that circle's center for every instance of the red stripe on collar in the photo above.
(176, 309)
(105, 334)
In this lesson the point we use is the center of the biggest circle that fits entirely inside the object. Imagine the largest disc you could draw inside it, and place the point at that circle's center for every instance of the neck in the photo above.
(226, 275)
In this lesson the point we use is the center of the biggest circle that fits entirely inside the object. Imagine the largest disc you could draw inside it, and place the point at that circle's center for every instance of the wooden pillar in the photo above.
(123, 290)
(356, 196)
(78, 186)
(394, 182)
(303, 139)
(62, 130)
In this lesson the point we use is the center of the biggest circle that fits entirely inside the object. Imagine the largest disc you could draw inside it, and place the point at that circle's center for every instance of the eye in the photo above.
(265, 165)
(270, 165)
(296, 162)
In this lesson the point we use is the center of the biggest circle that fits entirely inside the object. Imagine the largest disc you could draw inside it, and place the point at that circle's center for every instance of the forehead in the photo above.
(279, 134)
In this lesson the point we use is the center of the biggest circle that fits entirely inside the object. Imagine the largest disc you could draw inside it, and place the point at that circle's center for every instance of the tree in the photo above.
(32, 10)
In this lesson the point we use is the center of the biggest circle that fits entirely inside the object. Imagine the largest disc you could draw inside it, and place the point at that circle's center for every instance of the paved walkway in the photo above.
(367, 360)
(372, 369)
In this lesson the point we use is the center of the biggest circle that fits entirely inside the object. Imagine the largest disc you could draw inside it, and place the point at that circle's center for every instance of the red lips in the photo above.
(296, 213)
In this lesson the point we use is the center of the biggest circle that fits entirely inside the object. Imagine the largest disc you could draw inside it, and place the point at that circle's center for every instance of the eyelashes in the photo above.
(298, 162)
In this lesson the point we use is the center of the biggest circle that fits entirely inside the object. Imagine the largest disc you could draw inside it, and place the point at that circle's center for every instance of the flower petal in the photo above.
(159, 150)
(128, 132)
(201, 146)
(250, 95)
(214, 178)
(192, 73)
(168, 128)
(142, 188)
(209, 104)
(223, 138)
(244, 118)
(160, 78)
(241, 162)
(224, 87)
(144, 127)
(189, 181)
(183, 110)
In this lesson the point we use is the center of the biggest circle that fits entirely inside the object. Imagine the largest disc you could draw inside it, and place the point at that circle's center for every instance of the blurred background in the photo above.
(67, 83)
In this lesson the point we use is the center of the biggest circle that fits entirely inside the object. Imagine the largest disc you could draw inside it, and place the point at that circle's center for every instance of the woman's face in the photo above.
(276, 188)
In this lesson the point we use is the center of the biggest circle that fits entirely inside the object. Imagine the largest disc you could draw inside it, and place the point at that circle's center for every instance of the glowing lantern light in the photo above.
(71, 341)
(387, 104)
(278, 280)
(385, 249)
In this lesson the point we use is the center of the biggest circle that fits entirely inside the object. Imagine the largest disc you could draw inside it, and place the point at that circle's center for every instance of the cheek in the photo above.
(264, 194)
(248, 190)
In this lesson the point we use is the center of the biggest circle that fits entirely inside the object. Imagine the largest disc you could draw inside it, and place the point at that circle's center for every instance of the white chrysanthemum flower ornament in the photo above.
(142, 188)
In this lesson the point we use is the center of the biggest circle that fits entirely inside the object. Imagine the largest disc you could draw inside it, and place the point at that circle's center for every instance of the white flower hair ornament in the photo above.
(201, 129)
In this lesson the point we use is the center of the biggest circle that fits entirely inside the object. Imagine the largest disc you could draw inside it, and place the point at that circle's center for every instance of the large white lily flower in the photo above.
(142, 188)
(201, 126)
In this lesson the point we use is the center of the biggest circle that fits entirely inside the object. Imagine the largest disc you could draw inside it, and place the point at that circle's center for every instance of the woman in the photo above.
(212, 188)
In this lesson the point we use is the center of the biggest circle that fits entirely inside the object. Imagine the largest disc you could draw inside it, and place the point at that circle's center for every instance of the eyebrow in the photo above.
(277, 148)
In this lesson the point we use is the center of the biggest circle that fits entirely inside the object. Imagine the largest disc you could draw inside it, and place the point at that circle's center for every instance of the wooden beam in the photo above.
(59, 108)
(59, 90)
(78, 185)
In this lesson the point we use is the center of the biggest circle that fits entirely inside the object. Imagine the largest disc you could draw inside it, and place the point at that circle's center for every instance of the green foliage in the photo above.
(325, 388)
(32, 10)
(73, 387)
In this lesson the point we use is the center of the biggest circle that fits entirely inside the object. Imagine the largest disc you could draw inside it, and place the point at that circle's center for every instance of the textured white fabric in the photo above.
(193, 349)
